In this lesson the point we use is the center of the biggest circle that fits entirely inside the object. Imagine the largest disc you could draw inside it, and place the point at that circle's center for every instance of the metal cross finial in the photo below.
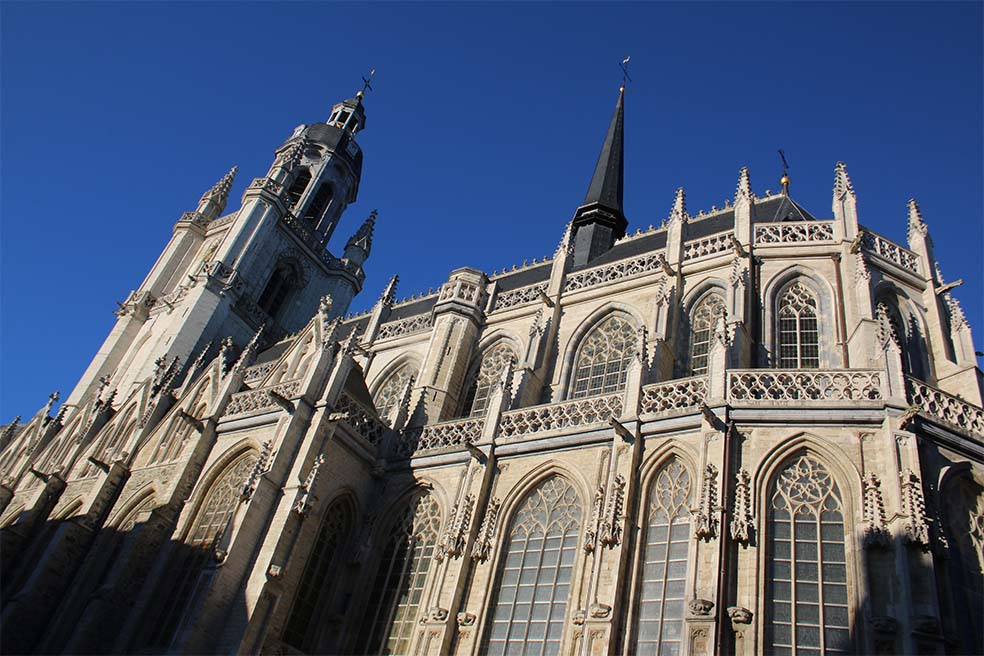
(625, 72)
(785, 173)
(366, 86)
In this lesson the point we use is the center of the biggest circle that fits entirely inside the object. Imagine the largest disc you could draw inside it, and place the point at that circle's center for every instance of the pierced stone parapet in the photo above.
(794, 232)
(711, 245)
(260, 399)
(613, 272)
(436, 436)
(408, 326)
(258, 372)
(360, 420)
(521, 296)
(945, 407)
(678, 394)
(890, 251)
(541, 418)
(804, 385)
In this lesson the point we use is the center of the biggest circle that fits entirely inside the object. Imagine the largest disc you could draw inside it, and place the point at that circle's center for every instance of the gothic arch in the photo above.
(411, 360)
(773, 290)
(481, 380)
(700, 290)
(536, 480)
(206, 482)
(916, 346)
(586, 328)
(664, 452)
(137, 499)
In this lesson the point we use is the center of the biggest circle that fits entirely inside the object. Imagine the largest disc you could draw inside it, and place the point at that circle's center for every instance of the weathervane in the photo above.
(366, 86)
(625, 72)
(785, 173)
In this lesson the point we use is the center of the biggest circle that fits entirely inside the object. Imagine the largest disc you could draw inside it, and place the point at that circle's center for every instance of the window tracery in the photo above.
(398, 588)
(494, 362)
(529, 610)
(799, 331)
(964, 525)
(663, 570)
(206, 531)
(806, 566)
(390, 393)
(314, 587)
(703, 319)
(602, 363)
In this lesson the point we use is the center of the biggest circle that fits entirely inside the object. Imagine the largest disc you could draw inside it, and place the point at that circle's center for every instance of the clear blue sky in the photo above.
(483, 129)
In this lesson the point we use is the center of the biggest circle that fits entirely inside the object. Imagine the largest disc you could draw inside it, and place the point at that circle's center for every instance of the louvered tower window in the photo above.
(702, 323)
(806, 568)
(281, 283)
(494, 362)
(199, 546)
(663, 570)
(530, 608)
(316, 208)
(315, 587)
(396, 594)
(602, 363)
(799, 333)
(301, 181)
(390, 393)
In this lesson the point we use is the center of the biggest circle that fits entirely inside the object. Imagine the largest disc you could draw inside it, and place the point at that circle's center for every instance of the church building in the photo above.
(753, 429)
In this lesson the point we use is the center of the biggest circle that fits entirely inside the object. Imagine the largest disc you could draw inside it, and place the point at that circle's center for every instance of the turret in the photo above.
(359, 245)
(213, 202)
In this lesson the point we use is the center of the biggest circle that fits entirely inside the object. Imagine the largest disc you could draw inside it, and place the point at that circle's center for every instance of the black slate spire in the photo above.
(599, 220)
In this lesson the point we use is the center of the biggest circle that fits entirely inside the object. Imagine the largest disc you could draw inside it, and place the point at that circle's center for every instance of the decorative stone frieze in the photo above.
(260, 399)
(945, 407)
(521, 296)
(613, 272)
(435, 436)
(794, 232)
(360, 420)
(711, 245)
(680, 394)
(902, 257)
(408, 326)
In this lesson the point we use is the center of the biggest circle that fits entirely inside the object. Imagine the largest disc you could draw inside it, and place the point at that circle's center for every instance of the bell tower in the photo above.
(265, 264)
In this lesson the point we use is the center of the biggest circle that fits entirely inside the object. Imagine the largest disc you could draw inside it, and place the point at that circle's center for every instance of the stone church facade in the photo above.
(749, 430)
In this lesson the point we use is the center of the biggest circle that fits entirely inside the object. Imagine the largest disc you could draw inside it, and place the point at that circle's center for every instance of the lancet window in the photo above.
(603, 358)
(390, 393)
(316, 208)
(315, 588)
(703, 320)
(301, 181)
(799, 331)
(663, 567)
(396, 593)
(494, 362)
(206, 531)
(283, 280)
(806, 567)
(533, 589)
(964, 526)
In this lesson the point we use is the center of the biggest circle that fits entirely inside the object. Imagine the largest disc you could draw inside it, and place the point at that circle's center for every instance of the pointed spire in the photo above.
(842, 182)
(679, 211)
(249, 352)
(361, 240)
(605, 189)
(388, 296)
(214, 200)
(743, 192)
(916, 223)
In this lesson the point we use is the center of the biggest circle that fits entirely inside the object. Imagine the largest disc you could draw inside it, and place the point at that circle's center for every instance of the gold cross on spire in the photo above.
(366, 86)
(625, 72)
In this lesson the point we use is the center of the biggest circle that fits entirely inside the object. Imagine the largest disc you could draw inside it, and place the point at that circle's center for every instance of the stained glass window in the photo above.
(494, 362)
(806, 567)
(390, 393)
(660, 592)
(702, 323)
(398, 588)
(799, 335)
(602, 363)
(206, 530)
(534, 582)
(314, 585)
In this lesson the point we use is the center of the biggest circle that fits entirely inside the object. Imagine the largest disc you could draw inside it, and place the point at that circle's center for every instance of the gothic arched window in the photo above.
(390, 393)
(301, 181)
(281, 283)
(663, 570)
(315, 587)
(206, 531)
(529, 610)
(602, 363)
(806, 567)
(703, 320)
(892, 327)
(316, 208)
(397, 590)
(494, 362)
(964, 526)
(799, 331)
